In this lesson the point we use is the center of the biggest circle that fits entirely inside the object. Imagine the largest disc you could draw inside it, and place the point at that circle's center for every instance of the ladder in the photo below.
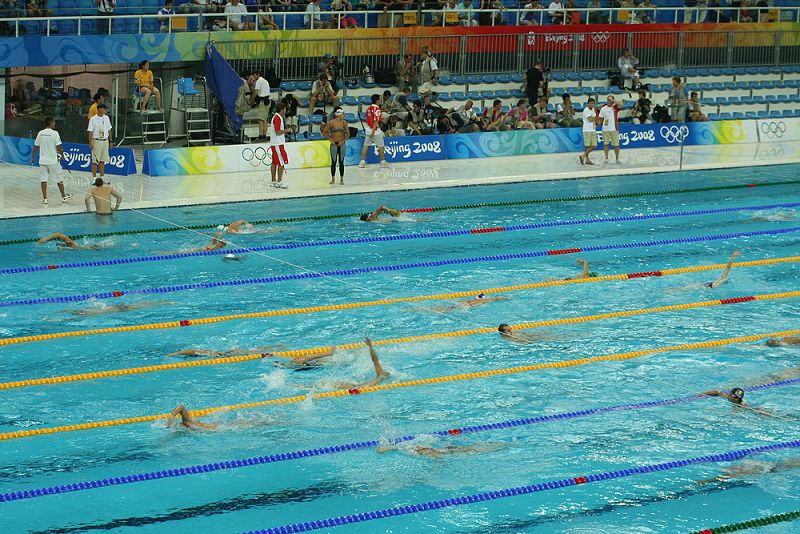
(154, 128)
(193, 101)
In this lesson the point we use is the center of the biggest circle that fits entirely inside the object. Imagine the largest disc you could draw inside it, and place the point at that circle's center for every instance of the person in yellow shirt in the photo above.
(98, 99)
(144, 84)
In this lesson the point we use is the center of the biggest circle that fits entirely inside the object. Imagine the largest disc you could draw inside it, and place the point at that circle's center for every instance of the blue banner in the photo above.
(398, 149)
(17, 150)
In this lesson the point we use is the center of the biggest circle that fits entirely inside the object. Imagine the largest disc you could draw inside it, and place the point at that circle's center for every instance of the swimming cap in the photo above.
(220, 227)
(592, 274)
(230, 256)
(480, 295)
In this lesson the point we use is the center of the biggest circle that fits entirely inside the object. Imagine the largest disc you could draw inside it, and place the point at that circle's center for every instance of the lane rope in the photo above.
(387, 268)
(79, 377)
(427, 210)
(382, 302)
(396, 385)
(347, 447)
(523, 490)
(753, 523)
(383, 238)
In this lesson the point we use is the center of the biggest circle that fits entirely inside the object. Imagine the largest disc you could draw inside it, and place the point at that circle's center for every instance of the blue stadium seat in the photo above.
(708, 101)
(738, 115)
(287, 87)
(488, 78)
(787, 113)
(349, 101)
(316, 119)
(459, 80)
(727, 71)
(714, 71)
(366, 86)
(488, 95)
(767, 84)
(517, 93)
(363, 116)
(458, 95)
(503, 94)
(573, 77)
(150, 26)
(771, 98)
(725, 116)
(365, 100)
(751, 115)
(586, 76)
(717, 86)
(730, 86)
(302, 120)
(574, 90)
(551, 108)
(474, 95)
(762, 70)
(303, 86)
(702, 73)
(773, 115)
(505, 109)
(599, 75)
(793, 84)
(687, 73)
(784, 99)
(757, 99)
(742, 85)
(721, 101)
(713, 116)
(315, 136)
(705, 86)
(516, 78)
(473, 79)
(478, 110)
(445, 97)
(734, 100)
(350, 117)
(503, 78)
(558, 77)
(445, 80)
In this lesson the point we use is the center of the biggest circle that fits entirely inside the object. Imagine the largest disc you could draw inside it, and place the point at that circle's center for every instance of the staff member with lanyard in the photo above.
(337, 132)
(99, 140)
(259, 96)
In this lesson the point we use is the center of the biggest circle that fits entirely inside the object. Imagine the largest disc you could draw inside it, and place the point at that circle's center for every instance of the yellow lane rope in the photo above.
(411, 383)
(381, 302)
(408, 339)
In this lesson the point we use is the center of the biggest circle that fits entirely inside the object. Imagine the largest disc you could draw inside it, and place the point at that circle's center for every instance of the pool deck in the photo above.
(20, 195)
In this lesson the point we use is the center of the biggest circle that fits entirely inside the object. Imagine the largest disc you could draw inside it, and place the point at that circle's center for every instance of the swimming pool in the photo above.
(361, 480)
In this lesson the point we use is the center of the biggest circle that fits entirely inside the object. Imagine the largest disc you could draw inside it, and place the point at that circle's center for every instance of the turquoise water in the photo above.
(331, 485)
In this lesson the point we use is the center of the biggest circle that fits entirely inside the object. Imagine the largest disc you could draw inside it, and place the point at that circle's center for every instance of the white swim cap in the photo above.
(230, 256)
(220, 227)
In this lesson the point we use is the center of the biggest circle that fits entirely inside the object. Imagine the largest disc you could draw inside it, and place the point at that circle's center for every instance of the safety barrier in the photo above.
(431, 209)
(396, 237)
(523, 490)
(382, 302)
(396, 385)
(386, 268)
(334, 449)
(753, 523)
(349, 346)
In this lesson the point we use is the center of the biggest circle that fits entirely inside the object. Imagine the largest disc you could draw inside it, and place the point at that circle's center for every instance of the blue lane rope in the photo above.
(260, 460)
(386, 268)
(521, 490)
(400, 237)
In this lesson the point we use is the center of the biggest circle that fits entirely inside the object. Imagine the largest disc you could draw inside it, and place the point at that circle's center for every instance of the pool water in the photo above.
(364, 480)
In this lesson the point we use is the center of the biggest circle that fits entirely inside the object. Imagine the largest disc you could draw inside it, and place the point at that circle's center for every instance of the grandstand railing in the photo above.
(131, 20)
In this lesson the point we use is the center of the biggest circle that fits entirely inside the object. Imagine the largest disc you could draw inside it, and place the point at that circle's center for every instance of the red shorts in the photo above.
(279, 156)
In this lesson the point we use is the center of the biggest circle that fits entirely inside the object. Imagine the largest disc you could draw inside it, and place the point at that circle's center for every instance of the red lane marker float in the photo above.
(454, 432)
(117, 294)
(751, 185)
(52, 266)
(417, 210)
(354, 391)
(581, 480)
(736, 300)
(708, 530)
(487, 230)
(185, 323)
(564, 251)
(644, 274)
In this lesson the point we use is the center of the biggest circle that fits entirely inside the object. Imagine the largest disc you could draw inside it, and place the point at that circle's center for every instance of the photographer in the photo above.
(331, 67)
(259, 99)
(290, 117)
(428, 72)
(322, 91)
(540, 117)
(462, 119)
(415, 122)
(642, 109)
(536, 81)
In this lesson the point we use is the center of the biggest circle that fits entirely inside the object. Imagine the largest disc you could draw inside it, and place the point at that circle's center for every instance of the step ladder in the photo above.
(193, 101)
(154, 128)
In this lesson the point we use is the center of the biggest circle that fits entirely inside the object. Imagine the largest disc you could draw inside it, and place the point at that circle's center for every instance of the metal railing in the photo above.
(133, 21)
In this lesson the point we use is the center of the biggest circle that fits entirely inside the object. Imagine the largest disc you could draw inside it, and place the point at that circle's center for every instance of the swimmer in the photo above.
(232, 257)
(724, 277)
(585, 274)
(373, 217)
(118, 308)
(472, 302)
(216, 243)
(751, 469)
(244, 227)
(783, 341)
(224, 354)
(508, 334)
(380, 374)
(438, 452)
(736, 396)
(307, 361)
(66, 242)
(188, 421)
(777, 216)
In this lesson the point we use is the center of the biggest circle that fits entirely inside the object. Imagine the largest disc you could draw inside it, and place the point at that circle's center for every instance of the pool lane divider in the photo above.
(362, 304)
(429, 210)
(396, 385)
(408, 339)
(388, 268)
(398, 237)
(522, 490)
(348, 447)
(752, 523)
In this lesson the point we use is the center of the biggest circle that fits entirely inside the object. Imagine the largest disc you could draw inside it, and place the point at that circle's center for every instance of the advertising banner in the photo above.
(17, 150)
(399, 149)
(777, 130)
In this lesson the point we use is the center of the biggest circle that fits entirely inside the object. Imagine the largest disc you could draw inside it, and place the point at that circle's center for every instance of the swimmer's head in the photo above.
(230, 256)
(592, 274)
(504, 329)
(220, 228)
(365, 217)
(773, 342)
(480, 296)
(736, 395)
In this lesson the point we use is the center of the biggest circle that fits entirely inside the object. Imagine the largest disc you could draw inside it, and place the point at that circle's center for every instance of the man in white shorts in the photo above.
(259, 97)
(99, 140)
(589, 132)
(609, 118)
(48, 142)
(373, 132)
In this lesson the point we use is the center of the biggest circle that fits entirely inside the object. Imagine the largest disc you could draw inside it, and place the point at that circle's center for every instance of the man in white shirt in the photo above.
(556, 12)
(589, 132)
(233, 12)
(259, 96)
(463, 119)
(609, 118)
(99, 140)
(311, 18)
(627, 68)
(48, 143)
(277, 138)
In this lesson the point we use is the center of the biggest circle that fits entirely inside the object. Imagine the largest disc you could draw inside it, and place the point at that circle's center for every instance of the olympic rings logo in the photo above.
(773, 130)
(256, 157)
(674, 134)
(600, 37)
(531, 38)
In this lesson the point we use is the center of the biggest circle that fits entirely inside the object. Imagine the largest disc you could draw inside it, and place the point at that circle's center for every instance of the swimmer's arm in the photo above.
(234, 226)
(86, 200)
(375, 214)
(173, 415)
(585, 268)
(117, 196)
(714, 394)
(197, 352)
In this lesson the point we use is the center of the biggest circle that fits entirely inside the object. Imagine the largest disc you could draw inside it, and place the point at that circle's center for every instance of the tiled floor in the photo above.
(20, 196)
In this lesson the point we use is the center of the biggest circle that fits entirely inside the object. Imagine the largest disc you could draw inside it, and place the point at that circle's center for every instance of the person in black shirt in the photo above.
(536, 83)
(641, 111)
